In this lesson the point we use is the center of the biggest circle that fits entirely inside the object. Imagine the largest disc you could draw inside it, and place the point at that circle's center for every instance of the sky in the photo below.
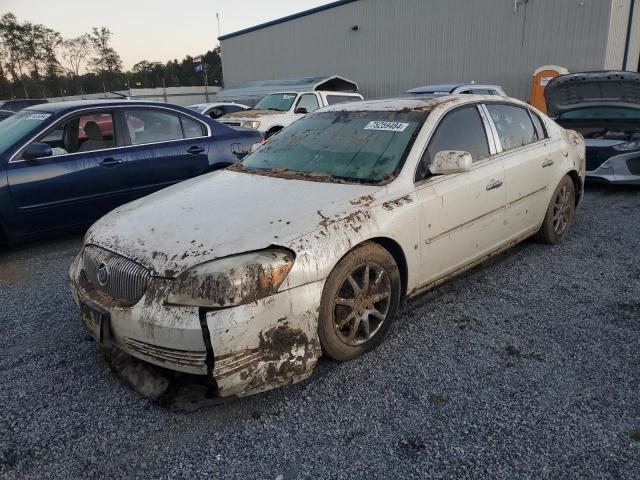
(159, 30)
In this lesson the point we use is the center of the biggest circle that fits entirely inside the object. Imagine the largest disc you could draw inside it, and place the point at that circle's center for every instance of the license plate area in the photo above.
(96, 323)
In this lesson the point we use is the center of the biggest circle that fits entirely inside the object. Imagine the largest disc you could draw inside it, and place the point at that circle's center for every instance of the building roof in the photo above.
(288, 18)
(257, 90)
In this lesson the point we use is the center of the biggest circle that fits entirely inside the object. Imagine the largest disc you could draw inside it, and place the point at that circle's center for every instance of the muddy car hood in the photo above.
(221, 214)
(590, 89)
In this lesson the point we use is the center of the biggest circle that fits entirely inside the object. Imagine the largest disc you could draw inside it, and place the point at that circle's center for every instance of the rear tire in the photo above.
(560, 213)
(359, 302)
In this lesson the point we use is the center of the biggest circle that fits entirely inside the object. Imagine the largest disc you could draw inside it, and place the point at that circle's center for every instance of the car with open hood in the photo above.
(308, 246)
(605, 108)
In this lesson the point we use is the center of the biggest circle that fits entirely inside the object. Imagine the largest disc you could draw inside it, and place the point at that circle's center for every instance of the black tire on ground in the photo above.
(560, 212)
(359, 302)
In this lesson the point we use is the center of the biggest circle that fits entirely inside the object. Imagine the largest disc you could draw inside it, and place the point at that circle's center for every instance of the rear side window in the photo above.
(333, 99)
(191, 128)
(537, 123)
(151, 126)
(514, 126)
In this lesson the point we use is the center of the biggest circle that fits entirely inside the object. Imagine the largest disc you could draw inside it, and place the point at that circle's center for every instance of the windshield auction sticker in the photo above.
(387, 126)
(38, 116)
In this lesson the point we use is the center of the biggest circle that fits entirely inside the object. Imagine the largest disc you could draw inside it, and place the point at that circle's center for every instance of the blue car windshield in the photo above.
(353, 147)
(17, 126)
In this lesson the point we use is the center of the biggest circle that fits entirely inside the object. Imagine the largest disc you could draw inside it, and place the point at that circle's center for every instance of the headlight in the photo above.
(233, 280)
(634, 145)
(252, 124)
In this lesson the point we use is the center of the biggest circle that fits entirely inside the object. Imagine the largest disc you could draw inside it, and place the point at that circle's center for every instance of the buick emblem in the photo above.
(103, 274)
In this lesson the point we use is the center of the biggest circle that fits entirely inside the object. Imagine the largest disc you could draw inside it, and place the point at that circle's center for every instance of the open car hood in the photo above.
(592, 89)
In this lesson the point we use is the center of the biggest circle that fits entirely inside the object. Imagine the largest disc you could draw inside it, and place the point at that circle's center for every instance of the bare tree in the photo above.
(106, 59)
(74, 52)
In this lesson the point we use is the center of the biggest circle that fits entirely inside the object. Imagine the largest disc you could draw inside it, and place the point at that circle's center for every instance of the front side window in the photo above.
(360, 147)
(514, 126)
(84, 133)
(309, 102)
(462, 130)
(152, 126)
(280, 102)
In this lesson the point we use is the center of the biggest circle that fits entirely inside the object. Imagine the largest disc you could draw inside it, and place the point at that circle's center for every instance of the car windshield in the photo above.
(197, 108)
(360, 147)
(17, 126)
(280, 102)
(601, 113)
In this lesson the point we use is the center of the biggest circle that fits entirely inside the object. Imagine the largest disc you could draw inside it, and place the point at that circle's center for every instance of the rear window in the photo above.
(333, 99)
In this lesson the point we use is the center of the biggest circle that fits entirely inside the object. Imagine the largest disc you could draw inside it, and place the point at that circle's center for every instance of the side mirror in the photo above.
(301, 110)
(447, 162)
(37, 150)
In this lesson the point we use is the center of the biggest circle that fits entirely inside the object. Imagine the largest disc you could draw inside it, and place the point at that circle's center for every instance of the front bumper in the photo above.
(246, 349)
(620, 169)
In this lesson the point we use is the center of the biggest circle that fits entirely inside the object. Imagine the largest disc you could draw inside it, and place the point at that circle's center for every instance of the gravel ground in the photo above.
(527, 367)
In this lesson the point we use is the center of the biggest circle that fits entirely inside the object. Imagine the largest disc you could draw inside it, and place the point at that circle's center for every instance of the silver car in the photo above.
(605, 108)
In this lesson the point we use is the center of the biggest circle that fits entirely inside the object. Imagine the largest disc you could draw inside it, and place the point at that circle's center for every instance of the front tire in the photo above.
(560, 213)
(359, 302)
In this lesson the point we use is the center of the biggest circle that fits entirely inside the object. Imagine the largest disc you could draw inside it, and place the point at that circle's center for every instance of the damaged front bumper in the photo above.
(246, 349)
(619, 169)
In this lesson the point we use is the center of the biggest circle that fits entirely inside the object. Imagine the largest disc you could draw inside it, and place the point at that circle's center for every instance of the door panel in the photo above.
(159, 154)
(462, 218)
(66, 190)
(82, 181)
(527, 159)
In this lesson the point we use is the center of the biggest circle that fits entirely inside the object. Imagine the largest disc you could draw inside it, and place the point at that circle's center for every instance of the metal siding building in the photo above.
(400, 44)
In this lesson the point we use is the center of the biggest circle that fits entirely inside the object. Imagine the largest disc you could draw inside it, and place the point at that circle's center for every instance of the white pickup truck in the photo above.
(277, 110)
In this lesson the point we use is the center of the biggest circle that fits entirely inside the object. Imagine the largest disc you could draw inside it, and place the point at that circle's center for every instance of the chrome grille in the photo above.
(126, 280)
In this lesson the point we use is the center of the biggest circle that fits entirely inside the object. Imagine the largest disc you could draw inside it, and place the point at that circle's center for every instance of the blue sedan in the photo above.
(63, 165)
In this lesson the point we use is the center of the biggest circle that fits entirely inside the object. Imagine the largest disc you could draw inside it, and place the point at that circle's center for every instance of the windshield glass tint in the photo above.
(366, 147)
(276, 101)
(14, 128)
(601, 113)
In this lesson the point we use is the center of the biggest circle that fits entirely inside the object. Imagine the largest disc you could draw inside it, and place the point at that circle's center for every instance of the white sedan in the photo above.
(310, 244)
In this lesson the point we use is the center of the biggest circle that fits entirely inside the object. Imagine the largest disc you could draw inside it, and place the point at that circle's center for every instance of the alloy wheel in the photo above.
(562, 210)
(361, 304)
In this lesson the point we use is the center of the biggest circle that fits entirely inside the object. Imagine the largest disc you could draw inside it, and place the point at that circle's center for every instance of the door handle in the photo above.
(195, 150)
(494, 184)
(110, 162)
(547, 163)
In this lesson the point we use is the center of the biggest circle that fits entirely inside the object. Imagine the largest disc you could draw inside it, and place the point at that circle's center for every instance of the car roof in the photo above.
(57, 107)
(449, 87)
(407, 103)
(217, 104)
